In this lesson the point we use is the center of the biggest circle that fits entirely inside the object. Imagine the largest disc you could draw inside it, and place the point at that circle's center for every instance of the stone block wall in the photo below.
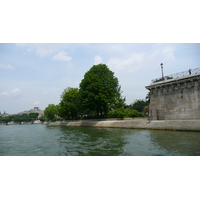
(175, 99)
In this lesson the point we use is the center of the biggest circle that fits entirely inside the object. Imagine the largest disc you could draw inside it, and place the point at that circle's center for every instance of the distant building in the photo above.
(37, 110)
(4, 114)
(34, 110)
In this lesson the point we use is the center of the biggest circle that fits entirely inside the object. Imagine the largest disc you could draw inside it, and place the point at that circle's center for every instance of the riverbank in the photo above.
(189, 125)
(21, 123)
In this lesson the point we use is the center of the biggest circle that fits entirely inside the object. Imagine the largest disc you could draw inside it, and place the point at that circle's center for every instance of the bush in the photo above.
(121, 113)
(134, 113)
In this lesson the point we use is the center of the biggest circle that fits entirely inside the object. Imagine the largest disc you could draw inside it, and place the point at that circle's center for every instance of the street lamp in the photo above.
(162, 71)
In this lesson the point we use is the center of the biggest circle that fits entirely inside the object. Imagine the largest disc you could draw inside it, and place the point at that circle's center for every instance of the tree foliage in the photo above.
(99, 90)
(20, 118)
(33, 115)
(70, 103)
(51, 112)
(139, 105)
(121, 113)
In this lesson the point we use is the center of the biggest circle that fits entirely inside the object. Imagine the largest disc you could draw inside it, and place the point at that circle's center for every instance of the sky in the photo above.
(47, 46)
(35, 74)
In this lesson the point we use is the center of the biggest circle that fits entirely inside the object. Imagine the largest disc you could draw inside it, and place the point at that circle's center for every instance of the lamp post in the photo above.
(162, 71)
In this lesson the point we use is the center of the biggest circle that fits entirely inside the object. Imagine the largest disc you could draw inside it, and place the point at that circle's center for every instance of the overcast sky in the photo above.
(36, 74)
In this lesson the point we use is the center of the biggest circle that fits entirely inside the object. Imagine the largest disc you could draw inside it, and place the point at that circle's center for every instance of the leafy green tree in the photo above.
(139, 105)
(33, 115)
(51, 112)
(70, 103)
(99, 90)
(119, 100)
(148, 97)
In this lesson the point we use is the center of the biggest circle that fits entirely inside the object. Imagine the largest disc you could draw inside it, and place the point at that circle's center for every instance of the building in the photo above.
(4, 114)
(34, 110)
(176, 98)
(37, 110)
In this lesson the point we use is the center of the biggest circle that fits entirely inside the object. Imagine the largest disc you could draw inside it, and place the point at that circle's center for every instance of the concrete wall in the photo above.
(175, 99)
(191, 125)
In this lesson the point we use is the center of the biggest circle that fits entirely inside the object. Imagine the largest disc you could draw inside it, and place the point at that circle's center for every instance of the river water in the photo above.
(42, 140)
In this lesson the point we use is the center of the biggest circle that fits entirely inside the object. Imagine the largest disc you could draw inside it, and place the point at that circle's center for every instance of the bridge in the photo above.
(8, 121)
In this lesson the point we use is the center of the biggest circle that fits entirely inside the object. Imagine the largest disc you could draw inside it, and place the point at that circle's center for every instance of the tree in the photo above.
(33, 115)
(139, 105)
(51, 112)
(148, 96)
(99, 90)
(119, 100)
(70, 104)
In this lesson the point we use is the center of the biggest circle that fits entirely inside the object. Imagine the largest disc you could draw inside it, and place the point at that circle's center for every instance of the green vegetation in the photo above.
(121, 113)
(19, 118)
(139, 105)
(99, 91)
(70, 103)
(99, 96)
(51, 112)
(161, 79)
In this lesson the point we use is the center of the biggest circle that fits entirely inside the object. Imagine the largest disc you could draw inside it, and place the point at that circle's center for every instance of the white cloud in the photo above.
(44, 49)
(12, 93)
(97, 60)
(129, 64)
(62, 56)
(4, 93)
(40, 49)
(163, 52)
(36, 103)
(4, 66)
(16, 92)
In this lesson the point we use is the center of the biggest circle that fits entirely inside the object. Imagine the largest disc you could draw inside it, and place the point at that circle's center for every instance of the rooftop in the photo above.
(177, 75)
(175, 78)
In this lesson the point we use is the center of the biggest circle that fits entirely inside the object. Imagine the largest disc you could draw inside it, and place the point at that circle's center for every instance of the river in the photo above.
(42, 140)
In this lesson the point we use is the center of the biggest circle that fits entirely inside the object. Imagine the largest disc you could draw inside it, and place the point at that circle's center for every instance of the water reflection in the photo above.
(179, 142)
(92, 141)
(128, 142)
(36, 140)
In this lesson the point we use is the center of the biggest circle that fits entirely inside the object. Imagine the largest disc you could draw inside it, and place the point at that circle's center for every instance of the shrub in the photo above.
(121, 113)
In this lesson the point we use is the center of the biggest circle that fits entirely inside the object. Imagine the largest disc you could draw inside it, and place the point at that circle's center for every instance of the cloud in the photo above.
(11, 93)
(128, 64)
(4, 66)
(36, 103)
(43, 49)
(16, 92)
(40, 49)
(165, 52)
(4, 93)
(62, 56)
(97, 60)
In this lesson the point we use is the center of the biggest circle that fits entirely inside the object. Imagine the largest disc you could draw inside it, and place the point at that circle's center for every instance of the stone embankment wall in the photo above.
(175, 99)
(191, 125)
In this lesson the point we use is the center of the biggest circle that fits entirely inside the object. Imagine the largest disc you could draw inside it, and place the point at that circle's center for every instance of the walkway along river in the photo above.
(192, 125)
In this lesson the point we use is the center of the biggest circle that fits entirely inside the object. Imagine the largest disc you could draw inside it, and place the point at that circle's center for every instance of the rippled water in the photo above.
(41, 140)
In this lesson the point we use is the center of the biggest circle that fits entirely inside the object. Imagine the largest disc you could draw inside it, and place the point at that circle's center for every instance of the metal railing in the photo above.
(177, 75)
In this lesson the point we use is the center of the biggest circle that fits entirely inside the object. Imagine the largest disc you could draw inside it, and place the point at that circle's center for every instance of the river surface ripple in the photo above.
(41, 140)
